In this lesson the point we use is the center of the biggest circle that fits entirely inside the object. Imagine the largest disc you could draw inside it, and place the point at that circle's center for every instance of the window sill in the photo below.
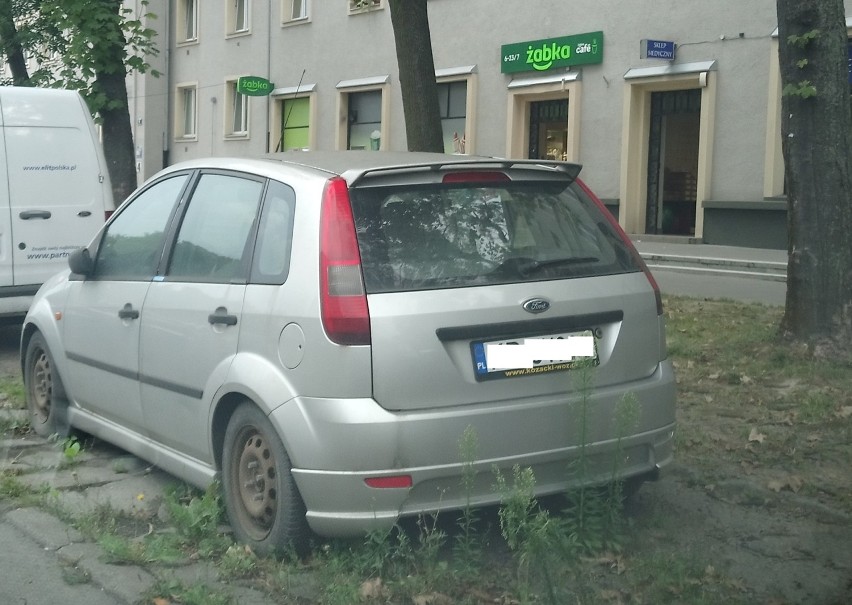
(186, 139)
(357, 10)
(294, 22)
(239, 34)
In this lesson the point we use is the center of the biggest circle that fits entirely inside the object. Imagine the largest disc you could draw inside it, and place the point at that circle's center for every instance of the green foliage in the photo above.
(12, 424)
(12, 393)
(71, 448)
(467, 547)
(239, 561)
(530, 533)
(803, 89)
(196, 518)
(89, 38)
(120, 550)
(175, 591)
(804, 40)
(12, 487)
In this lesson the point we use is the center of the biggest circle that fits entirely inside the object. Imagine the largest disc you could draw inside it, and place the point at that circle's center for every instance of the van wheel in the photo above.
(46, 403)
(261, 497)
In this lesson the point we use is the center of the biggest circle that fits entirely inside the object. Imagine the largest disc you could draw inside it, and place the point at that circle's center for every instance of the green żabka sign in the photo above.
(552, 53)
(254, 86)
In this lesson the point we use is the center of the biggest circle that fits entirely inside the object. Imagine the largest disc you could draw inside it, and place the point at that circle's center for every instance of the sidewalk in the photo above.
(731, 261)
(101, 478)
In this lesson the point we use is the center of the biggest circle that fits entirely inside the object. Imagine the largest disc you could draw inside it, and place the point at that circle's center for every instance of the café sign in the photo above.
(254, 86)
(552, 53)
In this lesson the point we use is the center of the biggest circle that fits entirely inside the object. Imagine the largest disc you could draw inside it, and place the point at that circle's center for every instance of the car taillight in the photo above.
(637, 258)
(343, 300)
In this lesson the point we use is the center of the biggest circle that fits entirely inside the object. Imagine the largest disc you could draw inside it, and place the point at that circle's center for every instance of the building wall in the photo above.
(333, 46)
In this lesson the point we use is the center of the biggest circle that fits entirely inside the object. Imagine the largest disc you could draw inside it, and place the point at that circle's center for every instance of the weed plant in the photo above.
(468, 544)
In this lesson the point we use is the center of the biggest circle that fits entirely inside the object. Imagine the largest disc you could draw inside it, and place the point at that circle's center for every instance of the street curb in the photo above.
(751, 269)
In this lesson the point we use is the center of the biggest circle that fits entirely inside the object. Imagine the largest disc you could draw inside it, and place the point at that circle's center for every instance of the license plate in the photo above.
(535, 355)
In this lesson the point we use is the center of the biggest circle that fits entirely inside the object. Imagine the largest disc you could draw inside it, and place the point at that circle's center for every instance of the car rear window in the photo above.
(458, 235)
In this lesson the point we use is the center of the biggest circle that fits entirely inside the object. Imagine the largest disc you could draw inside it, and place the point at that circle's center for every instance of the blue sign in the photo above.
(658, 49)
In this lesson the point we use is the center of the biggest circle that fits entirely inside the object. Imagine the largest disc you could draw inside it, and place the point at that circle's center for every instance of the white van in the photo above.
(55, 192)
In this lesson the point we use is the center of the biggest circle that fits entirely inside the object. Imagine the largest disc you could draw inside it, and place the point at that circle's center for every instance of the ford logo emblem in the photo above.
(536, 305)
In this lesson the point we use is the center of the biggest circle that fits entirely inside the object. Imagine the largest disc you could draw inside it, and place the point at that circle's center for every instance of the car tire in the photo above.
(46, 402)
(263, 503)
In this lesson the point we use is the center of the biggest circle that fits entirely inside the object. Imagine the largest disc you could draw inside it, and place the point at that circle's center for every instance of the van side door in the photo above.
(6, 276)
(56, 194)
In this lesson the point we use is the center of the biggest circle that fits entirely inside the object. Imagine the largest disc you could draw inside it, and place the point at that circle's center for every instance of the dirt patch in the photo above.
(762, 488)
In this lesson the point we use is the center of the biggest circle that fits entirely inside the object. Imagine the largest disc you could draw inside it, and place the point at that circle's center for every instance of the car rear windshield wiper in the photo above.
(537, 265)
(525, 266)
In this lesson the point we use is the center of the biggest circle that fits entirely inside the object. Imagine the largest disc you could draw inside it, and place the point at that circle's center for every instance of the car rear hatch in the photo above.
(464, 260)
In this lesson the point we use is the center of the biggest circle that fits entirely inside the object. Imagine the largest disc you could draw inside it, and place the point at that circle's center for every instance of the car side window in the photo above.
(212, 243)
(275, 235)
(131, 247)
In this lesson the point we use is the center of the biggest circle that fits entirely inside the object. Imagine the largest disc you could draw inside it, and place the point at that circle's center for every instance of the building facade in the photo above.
(672, 107)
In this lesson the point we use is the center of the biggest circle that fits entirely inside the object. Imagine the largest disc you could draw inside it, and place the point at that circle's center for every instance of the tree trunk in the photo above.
(417, 75)
(115, 115)
(817, 147)
(11, 45)
(117, 135)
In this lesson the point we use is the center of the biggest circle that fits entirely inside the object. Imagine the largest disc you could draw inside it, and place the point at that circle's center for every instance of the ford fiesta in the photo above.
(318, 330)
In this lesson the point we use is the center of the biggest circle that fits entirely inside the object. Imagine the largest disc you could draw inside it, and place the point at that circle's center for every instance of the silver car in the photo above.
(319, 330)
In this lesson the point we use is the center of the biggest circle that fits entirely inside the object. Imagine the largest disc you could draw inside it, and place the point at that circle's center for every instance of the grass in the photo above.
(12, 393)
(747, 401)
(749, 406)
(12, 398)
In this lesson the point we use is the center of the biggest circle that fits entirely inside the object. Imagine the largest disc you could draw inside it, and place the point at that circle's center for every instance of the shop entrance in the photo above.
(673, 162)
(549, 130)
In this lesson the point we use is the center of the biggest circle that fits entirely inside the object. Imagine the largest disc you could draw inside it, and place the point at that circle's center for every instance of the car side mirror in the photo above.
(80, 262)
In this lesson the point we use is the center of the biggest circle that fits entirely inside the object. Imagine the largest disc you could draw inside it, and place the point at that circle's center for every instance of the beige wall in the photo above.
(607, 114)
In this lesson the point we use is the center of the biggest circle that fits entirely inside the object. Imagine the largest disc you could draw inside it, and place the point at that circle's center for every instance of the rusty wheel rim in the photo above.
(41, 387)
(256, 481)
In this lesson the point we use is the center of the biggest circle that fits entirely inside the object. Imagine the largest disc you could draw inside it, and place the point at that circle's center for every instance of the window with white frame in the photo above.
(452, 104)
(359, 6)
(293, 11)
(187, 25)
(238, 16)
(236, 111)
(185, 122)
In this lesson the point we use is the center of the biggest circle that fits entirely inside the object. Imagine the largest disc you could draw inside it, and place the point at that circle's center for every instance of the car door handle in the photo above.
(28, 214)
(128, 312)
(221, 316)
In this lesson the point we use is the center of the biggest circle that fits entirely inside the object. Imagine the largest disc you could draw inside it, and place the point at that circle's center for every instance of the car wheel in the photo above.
(46, 403)
(261, 497)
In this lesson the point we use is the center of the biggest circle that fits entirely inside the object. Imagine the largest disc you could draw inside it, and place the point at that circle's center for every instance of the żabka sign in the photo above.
(552, 53)
(254, 86)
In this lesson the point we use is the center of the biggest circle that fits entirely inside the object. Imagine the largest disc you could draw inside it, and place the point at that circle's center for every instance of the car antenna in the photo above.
(278, 147)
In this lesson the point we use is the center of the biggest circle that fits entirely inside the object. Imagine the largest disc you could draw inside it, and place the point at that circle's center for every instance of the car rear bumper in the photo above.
(335, 445)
